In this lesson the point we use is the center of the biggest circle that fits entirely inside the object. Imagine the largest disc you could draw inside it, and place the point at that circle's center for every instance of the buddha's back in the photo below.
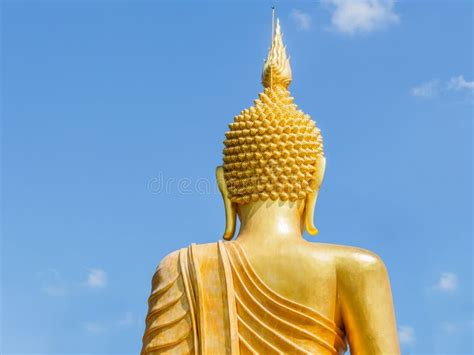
(287, 296)
(318, 275)
(302, 271)
(209, 299)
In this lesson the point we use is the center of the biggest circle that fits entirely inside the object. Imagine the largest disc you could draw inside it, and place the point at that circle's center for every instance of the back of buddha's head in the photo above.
(273, 149)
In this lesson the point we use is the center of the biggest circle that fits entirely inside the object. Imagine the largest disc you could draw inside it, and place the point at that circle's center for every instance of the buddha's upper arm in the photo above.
(366, 304)
(168, 322)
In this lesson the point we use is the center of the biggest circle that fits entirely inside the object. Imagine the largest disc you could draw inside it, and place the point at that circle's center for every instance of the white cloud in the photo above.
(52, 283)
(426, 90)
(96, 278)
(127, 320)
(406, 335)
(95, 327)
(458, 83)
(452, 328)
(54, 290)
(302, 19)
(448, 281)
(359, 16)
(435, 87)
(449, 327)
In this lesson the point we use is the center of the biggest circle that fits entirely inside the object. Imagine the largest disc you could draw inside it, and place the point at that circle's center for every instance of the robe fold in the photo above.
(207, 299)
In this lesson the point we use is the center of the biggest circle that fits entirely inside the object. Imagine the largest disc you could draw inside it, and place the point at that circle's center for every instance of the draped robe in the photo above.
(208, 299)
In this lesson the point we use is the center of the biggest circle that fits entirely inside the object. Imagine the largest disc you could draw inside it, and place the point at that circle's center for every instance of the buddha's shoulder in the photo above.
(167, 269)
(346, 257)
(171, 260)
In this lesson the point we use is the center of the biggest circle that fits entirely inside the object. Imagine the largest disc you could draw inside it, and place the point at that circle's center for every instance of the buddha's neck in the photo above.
(260, 221)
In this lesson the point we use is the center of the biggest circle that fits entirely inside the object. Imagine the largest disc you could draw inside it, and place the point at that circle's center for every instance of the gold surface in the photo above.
(270, 291)
(273, 148)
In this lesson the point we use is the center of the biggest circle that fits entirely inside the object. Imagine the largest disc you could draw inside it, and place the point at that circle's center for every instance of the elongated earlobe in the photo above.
(309, 213)
(312, 198)
(230, 210)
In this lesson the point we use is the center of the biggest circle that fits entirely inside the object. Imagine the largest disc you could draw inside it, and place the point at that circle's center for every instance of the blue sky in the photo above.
(104, 101)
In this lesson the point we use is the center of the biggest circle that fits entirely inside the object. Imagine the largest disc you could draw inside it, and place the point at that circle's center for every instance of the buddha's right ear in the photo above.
(230, 210)
(313, 196)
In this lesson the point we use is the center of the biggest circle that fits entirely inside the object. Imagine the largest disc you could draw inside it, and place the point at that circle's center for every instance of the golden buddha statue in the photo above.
(269, 290)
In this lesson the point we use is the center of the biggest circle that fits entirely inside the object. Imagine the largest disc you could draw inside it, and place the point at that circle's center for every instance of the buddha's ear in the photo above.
(313, 196)
(230, 210)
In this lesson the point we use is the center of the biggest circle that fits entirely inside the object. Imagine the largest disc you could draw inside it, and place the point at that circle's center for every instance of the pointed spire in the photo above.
(277, 70)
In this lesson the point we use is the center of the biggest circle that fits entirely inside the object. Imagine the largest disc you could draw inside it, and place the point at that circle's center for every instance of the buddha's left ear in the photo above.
(313, 196)
(230, 210)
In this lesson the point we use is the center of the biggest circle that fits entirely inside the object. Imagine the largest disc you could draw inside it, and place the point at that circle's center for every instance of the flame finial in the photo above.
(277, 70)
